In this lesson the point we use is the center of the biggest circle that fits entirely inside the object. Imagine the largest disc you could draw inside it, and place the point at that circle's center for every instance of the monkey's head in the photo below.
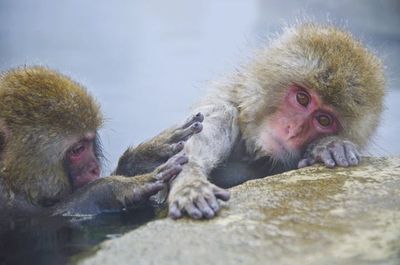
(49, 126)
(312, 81)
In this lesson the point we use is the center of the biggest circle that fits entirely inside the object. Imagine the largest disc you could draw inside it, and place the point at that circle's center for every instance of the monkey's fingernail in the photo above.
(175, 215)
(158, 185)
(353, 161)
(214, 206)
(182, 159)
(302, 163)
(223, 194)
(199, 117)
(330, 163)
(193, 212)
(173, 171)
(197, 127)
(208, 214)
(179, 146)
(174, 212)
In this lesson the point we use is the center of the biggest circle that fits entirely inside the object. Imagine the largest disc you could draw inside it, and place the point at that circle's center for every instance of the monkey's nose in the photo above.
(95, 171)
(294, 130)
(87, 176)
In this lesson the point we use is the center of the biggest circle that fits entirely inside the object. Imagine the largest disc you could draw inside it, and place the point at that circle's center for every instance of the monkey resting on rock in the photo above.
(50, 151)
(314, 95)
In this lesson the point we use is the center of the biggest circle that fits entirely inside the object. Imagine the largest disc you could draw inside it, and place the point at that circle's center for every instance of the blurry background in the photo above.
(148, 61)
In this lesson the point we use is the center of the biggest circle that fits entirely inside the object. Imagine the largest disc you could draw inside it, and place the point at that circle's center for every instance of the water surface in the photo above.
(44, 240)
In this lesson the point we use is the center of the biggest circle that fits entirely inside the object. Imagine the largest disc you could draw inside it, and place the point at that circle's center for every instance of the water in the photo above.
(56, 240)
(147, 62)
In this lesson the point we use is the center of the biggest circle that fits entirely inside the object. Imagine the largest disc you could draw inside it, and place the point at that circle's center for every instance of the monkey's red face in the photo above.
(301, 118)
(82, 163)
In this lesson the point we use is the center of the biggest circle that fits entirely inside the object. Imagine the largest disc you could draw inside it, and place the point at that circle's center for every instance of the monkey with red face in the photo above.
(314, 95)
(50, 151)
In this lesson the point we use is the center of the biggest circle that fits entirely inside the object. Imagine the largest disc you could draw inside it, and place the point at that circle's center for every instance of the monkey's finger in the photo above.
(195, 118)
(155, 187)
(305, 162)
(205, 209)
(169, 173)
(174, 211)
(185, 134)
(325, 157)
(145, 191)
(193, 211)
(339, 155)
(168, 150)
(351, 154)
(176, 148)
(172, 162)
(221, 193)
(179, 159)
(212, 201)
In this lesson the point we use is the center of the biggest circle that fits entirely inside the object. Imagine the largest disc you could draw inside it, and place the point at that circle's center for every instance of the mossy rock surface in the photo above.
(309, 216)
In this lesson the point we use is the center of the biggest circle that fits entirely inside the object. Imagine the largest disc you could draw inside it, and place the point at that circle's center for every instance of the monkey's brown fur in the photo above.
(325, 59)
(239, 114)
(37, 96)
(41, 109)
(43, 116)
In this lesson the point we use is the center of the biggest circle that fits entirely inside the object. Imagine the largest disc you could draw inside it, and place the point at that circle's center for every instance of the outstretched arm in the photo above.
(152, 163)
(191, 192)
(148, 155)
(115, 193)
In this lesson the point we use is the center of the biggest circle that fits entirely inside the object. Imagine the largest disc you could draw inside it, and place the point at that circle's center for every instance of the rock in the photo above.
(309, 216)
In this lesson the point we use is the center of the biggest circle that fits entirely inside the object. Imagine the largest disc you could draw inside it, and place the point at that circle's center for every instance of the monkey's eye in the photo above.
(324, 120)
(303, 98)
(77, 149)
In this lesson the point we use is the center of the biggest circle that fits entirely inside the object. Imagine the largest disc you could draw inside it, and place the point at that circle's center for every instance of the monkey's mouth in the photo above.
(89, 175)
(281, 151)
(279, 148)
(273, 145)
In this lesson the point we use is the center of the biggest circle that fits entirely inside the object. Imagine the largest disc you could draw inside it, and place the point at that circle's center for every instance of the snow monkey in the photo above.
(50, 151)
(315, 95)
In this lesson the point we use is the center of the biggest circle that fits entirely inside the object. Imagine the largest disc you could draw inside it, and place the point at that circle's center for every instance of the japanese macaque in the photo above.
(315, 95)
(50, 151)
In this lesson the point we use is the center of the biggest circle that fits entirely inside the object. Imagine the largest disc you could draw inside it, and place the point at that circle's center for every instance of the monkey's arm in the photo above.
(191, 192)
(117, 192)
(331, 151)
(147, 156)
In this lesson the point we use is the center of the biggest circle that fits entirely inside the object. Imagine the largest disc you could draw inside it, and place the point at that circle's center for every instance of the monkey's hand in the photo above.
(149, 184)
(331, 151)
(115, 193)
(151, 154)
(196, 197)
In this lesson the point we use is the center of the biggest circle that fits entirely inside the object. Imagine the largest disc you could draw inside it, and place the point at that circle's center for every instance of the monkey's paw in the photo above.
(174, 139)
(150, 184)
(198, 199)
(331, 151)
(147, 156)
